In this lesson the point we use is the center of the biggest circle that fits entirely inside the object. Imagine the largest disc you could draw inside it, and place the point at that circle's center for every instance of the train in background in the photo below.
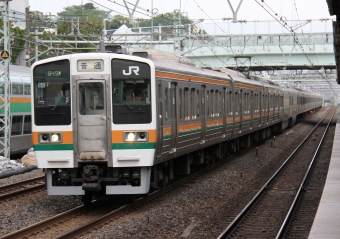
(117, 124)
(20, 108)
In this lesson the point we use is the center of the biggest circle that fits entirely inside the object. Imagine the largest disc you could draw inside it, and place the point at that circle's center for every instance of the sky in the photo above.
(250, 10)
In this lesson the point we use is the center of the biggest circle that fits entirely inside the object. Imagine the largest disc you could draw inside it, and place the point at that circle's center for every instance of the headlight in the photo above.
(54, 138)
(131, 137)
(134, 136)
(49, 138)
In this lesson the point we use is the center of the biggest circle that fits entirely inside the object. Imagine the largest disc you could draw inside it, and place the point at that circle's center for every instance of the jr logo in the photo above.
(135, 70)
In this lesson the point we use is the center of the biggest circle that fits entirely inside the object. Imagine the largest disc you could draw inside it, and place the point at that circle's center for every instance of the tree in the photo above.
(89, 6)
(166, 19)
(90, 19)
(17, 40)
(117, 21)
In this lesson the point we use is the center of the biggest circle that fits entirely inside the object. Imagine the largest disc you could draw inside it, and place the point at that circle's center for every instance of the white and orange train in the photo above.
(107, 123)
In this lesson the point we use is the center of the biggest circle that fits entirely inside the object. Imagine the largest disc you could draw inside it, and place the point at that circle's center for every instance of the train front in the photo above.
(93, 123)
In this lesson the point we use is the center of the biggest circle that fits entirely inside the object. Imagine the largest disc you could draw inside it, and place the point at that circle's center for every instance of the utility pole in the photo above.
(5, 106)
(235, 12)
(131, 12)
(28, 32)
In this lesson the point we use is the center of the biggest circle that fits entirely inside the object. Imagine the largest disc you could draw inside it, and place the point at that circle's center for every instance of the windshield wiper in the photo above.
(55, 107)
(57, 104)
(130, 108)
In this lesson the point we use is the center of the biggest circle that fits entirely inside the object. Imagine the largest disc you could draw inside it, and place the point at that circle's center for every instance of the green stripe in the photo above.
(16, 107)
(134, 146)
(189, 132)
(166, 137)
(52, 147)
(214, 127)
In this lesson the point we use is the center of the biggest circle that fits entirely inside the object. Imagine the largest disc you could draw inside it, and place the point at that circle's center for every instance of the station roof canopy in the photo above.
(334, 9)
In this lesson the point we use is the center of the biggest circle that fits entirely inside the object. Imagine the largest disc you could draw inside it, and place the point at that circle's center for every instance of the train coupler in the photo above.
(91, 187)
(91, 178)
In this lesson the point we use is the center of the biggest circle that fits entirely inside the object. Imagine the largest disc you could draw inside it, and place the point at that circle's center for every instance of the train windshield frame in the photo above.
(131, 92)
(52, 97)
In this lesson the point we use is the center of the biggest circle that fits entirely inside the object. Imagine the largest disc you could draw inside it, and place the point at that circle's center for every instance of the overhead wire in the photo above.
(209, 16)
(111, 10)
(129, 8)
(291, 31)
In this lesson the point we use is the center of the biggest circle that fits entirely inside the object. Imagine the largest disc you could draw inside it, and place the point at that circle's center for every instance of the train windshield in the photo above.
(52, 93)
(131, 92)
(135, 92)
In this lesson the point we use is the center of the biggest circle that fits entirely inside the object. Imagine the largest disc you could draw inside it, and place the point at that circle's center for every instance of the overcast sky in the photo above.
(250, 10)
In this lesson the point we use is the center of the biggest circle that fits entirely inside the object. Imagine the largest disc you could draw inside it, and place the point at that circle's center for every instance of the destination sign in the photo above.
(90, 65)
(52, 73)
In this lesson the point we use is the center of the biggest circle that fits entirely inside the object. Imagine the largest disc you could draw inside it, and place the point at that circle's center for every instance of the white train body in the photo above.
(108, 123)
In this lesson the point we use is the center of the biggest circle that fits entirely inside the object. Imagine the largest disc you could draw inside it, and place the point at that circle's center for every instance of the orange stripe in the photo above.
(214, 122)
(166, 130)
(67, 137)
(191, 78)
(242, 86)
(117, 135)
(189, 127)
(20, 100)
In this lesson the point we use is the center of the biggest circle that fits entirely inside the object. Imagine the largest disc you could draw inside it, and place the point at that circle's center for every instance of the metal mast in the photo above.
(4, 98)
(235, 12)
(131, 12)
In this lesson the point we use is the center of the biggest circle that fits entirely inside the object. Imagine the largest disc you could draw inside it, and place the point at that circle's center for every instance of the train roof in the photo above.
(171, 62)
(16, 70)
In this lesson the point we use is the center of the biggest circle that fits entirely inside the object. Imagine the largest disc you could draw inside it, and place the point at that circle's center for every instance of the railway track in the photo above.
(21, 188)
(82, 220)
(269, 212)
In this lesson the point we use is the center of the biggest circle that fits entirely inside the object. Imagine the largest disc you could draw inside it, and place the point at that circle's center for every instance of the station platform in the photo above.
(327, 220)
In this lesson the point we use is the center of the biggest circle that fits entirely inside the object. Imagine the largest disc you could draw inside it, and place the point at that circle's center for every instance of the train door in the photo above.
(93, 132)
(173, 117)
(203, 116)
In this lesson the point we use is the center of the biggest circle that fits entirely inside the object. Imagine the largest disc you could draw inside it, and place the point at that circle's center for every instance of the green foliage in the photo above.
(117, 21)
(89, 6)
(166, 19)
(90, 19)
(17, 43)
(17, 40)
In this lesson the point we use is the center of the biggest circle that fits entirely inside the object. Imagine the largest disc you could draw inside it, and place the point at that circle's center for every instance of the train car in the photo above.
(20, 108)
(117, 124)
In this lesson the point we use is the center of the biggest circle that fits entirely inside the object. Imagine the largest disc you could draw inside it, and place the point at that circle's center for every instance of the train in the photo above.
(20, 108)
(120, 124)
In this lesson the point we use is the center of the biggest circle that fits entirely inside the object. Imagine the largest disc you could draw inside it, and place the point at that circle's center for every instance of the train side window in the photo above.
(245, 102)
(212, 103)
(221, 103)
(166, 96)
(27, 124)
(17, 85)
(180, 103)
(236, 103)
(198, 103)
(16, 127)
(27, 85)
(192, 103)
(208, 104)
(186, 104)
(230, 108)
